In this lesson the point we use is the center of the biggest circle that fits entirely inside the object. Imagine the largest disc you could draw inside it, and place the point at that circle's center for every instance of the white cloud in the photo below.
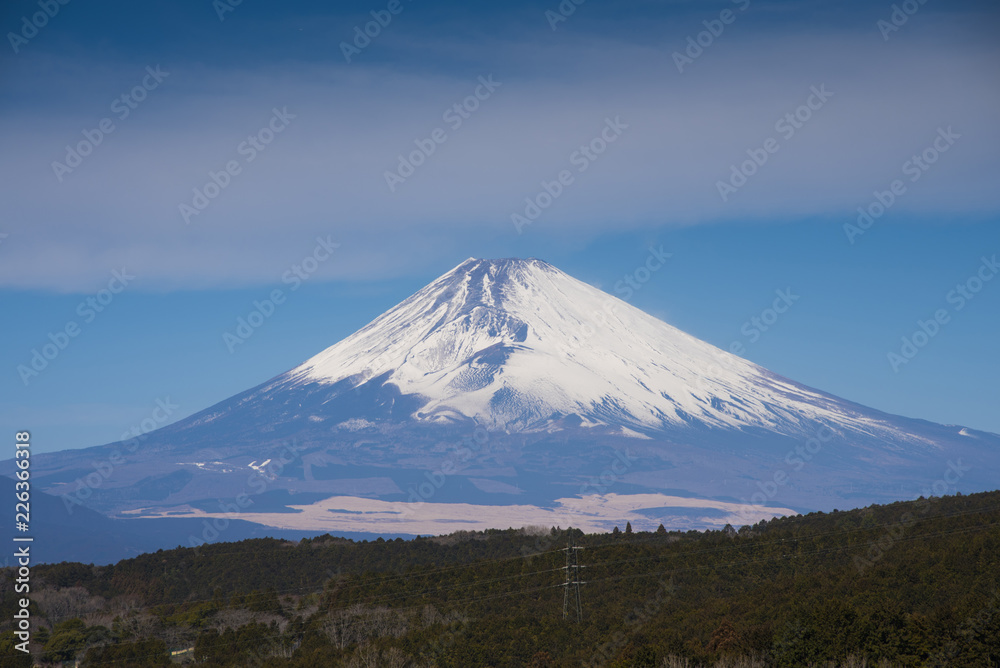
(324, 174)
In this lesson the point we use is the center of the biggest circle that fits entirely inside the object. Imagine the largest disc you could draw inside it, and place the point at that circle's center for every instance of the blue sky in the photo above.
(308, 138)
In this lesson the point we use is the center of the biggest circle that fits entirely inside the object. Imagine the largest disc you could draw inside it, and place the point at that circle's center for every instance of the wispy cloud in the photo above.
(325, 173)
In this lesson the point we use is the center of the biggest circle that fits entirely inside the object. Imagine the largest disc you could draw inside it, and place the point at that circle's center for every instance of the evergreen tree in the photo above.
(846, 598)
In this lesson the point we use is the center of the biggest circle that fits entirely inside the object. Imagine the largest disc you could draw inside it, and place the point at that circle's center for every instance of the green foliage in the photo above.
(911, 584)
(66, 640)
(10, 656)
(149, 653)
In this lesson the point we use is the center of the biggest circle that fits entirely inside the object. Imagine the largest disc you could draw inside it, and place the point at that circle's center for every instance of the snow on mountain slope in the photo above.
(516, 344)
(576, 397)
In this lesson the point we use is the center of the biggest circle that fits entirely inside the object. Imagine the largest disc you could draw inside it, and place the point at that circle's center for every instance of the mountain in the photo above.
(518, 345)
(508, 393)
(77, 534)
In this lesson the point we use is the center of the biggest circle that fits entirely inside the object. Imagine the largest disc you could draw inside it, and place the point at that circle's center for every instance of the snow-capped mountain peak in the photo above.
(562, 385)
(518, 344)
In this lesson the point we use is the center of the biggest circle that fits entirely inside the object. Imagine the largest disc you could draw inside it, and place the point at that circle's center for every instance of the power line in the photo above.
(573, 574)
(572, 550)
(572, 580)
(414, 575)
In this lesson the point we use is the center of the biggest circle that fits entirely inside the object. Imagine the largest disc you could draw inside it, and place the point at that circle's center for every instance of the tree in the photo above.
(661, 529)
(628, 528)
(12, 657)
(151, 653)
(646, 658)
(541, 659)
(67, 639)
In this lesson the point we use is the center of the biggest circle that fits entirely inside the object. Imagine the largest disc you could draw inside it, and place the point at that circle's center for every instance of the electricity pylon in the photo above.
(572, 580)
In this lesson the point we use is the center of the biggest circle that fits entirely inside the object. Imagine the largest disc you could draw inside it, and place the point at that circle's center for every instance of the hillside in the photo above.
(912, 584)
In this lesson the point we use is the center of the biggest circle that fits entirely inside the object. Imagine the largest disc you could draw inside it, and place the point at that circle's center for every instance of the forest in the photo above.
(906, 584)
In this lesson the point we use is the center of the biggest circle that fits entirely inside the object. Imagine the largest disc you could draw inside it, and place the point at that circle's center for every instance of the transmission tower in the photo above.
(572, 580)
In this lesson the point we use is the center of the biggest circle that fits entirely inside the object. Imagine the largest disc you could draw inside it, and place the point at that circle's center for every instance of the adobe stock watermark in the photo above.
(633, 281)
(896, 531)
(973, 625)
(754, 328)
(959, 296)
(294, 276)
(636, 619)
(130, 440)
(454, 116)
(363, 37)
(714, 28)
(122, 107)
(901, 13)
(582, 158)
(462, 453)
(565, 10)
(249, 149)
(447, 639)
(796, 460)
(223, 7)
(31, 25)
(612, 473)
(915, 168)
(258, 482)
(627, 286)
(786, 126)
(88, 310)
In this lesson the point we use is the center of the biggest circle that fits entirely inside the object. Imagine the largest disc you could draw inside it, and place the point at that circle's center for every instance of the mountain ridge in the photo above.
(514, 354)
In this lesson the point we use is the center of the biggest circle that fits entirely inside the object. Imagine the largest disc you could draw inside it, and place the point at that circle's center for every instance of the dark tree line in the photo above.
(912, 584)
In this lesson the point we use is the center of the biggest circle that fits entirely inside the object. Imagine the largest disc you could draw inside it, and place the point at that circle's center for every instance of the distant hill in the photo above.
(71, 532)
